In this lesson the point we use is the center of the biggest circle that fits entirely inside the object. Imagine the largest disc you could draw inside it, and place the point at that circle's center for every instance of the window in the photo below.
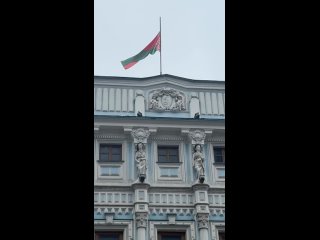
(109, 236)
(221, 235)
(168, 154)
(219, 154)
(171, 236)
(110, 152)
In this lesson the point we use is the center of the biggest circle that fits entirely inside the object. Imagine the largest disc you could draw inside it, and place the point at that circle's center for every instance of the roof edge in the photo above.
(157, 76)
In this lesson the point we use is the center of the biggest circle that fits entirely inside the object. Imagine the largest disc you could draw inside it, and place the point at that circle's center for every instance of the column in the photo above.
(141, 223)
(141, 208)
(201, 206)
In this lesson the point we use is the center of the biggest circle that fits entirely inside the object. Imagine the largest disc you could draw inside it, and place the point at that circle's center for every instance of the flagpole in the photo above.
(160, 50)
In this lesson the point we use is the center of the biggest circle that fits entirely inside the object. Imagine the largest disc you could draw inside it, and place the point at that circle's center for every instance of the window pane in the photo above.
(110, 152)
(109, 236)
(168, 154)
(116, 149)
(219, 155)
(104, 148)
(221, 173)
(162, 159)
(174, 159)
(162, 151)
(173, 152)
(103, 157)
(116, 157)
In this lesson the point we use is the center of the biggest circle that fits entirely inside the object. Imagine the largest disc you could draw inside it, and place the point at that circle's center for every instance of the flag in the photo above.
(152, 47)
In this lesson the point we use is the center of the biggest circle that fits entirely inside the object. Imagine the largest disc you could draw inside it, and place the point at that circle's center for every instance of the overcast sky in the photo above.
(193, 37)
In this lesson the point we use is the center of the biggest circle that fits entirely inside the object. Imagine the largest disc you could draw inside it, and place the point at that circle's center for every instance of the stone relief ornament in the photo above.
(167, 99)
(197, 136)
(203, 220)
(141, 219)
(140, 135)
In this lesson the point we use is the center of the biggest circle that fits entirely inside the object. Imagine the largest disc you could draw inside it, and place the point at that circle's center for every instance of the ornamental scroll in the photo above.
(167, 99)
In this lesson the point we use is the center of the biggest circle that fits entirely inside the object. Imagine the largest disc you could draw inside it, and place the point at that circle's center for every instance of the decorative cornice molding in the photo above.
(217, 212)
(167, 138)
(216, 139)
(167, 210)
(110, 137)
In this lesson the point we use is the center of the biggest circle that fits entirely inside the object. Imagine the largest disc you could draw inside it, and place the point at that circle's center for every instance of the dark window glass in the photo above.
(171, 236)
(109, 236)
(219, 155)
(222, 236)
(168, 154)
(110, 152)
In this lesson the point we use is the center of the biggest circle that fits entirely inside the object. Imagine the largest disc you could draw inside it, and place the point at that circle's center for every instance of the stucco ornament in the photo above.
(141, 219)
(167, 99)
(197, 137)
(140, 135)
(203, 220)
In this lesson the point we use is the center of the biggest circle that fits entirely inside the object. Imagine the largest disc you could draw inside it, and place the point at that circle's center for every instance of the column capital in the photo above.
(203, 220)
(141, 219)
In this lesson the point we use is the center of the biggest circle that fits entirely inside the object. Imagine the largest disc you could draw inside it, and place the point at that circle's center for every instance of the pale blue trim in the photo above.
(130, 162)
(150, 164)
(188, 163)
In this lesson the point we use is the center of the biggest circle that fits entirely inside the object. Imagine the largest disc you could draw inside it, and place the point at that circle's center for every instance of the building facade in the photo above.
(159, 158)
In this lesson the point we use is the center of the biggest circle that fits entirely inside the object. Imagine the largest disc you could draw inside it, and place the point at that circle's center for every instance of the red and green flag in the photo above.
(152, 47)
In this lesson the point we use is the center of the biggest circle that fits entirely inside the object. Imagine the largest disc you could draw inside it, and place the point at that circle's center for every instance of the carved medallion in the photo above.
(167, 99)
(140, 135)
(197, 136)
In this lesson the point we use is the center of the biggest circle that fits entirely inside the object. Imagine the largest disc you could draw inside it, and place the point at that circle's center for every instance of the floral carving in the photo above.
(167, 99)
(141, 219)
(203, 220)
(197, 136)
(140, 135)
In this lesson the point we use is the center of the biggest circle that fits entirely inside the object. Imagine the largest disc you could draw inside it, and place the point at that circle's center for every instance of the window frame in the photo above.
(120, 236)
(110, 152)
(168, 147)
(223, 155)
(179, 164)
(119, 164)
(161, 233)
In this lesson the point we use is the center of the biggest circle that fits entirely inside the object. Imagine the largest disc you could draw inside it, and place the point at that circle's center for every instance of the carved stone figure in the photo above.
(141, 160)
(198, 162)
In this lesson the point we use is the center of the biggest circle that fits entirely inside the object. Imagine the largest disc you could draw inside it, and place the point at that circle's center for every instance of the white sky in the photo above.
(193, 37)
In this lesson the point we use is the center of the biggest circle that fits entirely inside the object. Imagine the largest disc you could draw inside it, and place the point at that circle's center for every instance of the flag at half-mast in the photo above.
(152, 47)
